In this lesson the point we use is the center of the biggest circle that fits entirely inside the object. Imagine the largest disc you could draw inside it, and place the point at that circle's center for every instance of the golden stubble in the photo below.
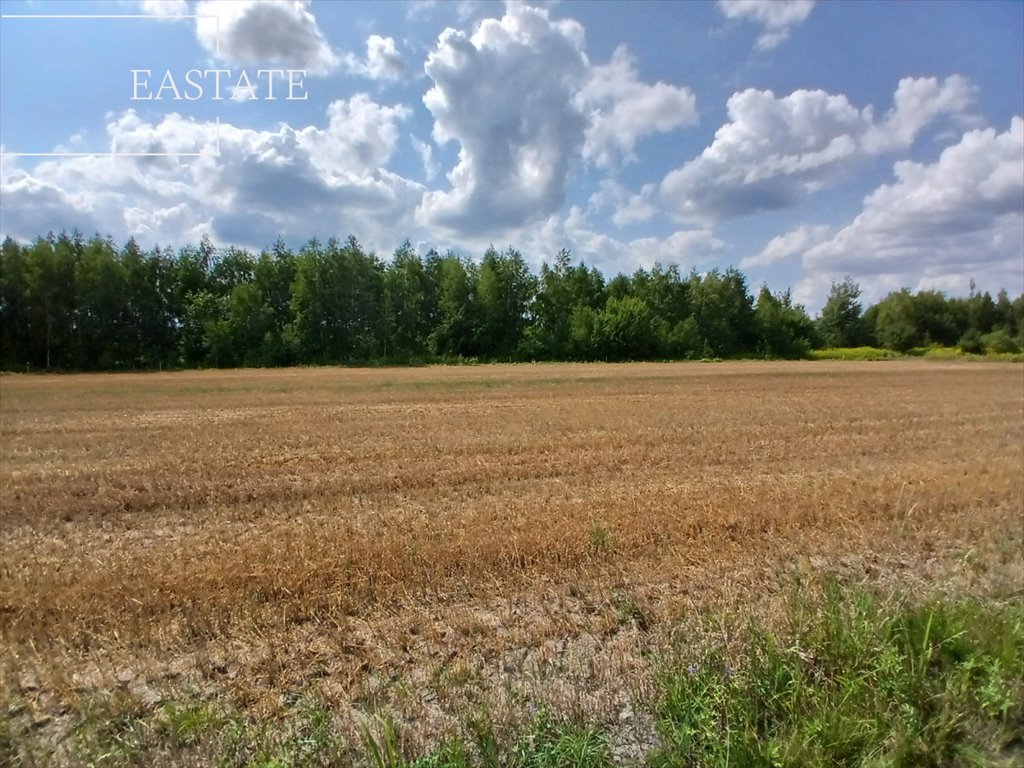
(426, 538)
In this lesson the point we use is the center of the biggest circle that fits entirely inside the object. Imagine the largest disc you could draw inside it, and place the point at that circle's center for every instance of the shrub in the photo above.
(853, 353)
(1000, 342)
(971, 343)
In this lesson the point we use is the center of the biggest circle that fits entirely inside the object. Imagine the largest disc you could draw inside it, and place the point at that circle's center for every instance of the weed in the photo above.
(550, 744)
(629, 612)
(385, 750)
(601, 542)
(186, 724)
(859, 681)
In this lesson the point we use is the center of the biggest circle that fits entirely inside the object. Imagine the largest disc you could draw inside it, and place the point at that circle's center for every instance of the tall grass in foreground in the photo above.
(856, 681)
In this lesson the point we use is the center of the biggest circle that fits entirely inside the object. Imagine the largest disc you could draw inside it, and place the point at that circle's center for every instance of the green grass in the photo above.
(547, 743)
(856, 681)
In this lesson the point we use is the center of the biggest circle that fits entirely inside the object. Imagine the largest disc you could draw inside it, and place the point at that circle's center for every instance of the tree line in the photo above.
(68, 303)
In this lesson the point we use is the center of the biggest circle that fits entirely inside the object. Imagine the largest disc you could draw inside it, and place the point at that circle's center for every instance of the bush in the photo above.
(971, 343)
(1000, 342)
(853, 353)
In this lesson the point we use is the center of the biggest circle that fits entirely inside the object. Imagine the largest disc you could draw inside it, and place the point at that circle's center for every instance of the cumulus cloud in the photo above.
(623, 109)
(688, 247)
(776, 17)
(917, 102)
(939, 224)
(261, 184)
(775, 151)
(33, 206)
(264, 32)
(517, 138)
(382, 62)
(360, 136)
(575, 232)
(788, 245)
(625, 206)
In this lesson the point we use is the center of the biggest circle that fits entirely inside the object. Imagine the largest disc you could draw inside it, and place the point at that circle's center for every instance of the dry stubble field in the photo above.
(432, 541)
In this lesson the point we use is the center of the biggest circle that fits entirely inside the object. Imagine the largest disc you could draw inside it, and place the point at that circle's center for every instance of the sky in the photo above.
(799, 142)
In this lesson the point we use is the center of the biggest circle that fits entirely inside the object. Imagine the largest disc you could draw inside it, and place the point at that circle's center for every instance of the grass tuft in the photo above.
(860, 680)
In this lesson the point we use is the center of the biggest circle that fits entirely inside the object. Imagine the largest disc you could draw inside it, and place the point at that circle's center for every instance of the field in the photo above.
(430, 542)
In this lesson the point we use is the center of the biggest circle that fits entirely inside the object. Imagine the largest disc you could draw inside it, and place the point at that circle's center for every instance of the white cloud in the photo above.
(623, 109)
(382, 62)
(264, 32)
(627, 208)
(939, 224)
(794, 243)
(426, 155)
(34, 206)
(916, 103)
(525, 105)
(775, 151)
(165, 8)
(360, 137)
(294, 183)
(777, 17)
(574, 232)
(505, 93)
(766, 156)
(687, 247)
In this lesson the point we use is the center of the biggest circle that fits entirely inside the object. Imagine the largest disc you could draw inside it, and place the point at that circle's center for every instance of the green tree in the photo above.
(784, 329)
(627, 330)
(100, 309)
(841, 321)
(935, 319)
(1005, 316)
(250, 327)
(896, 324)
(504, 291)
(14, 329)
(231, 268)
(273, 276)
(149, 335)
(453, 334)
(665, 292)
(562, 289)
(50, 299)
(192, 276)
(724, 312)
(585, 335)
(206, 332)
(405, 298)
(336, 303)
(552, 310)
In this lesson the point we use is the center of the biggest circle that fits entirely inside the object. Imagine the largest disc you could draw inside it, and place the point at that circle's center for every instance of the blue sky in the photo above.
(798, 141)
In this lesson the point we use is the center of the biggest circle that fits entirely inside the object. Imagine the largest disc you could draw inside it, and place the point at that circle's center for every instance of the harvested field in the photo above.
(431, 541)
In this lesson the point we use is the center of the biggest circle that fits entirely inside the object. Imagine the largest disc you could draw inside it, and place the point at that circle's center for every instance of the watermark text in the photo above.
(196, 84)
